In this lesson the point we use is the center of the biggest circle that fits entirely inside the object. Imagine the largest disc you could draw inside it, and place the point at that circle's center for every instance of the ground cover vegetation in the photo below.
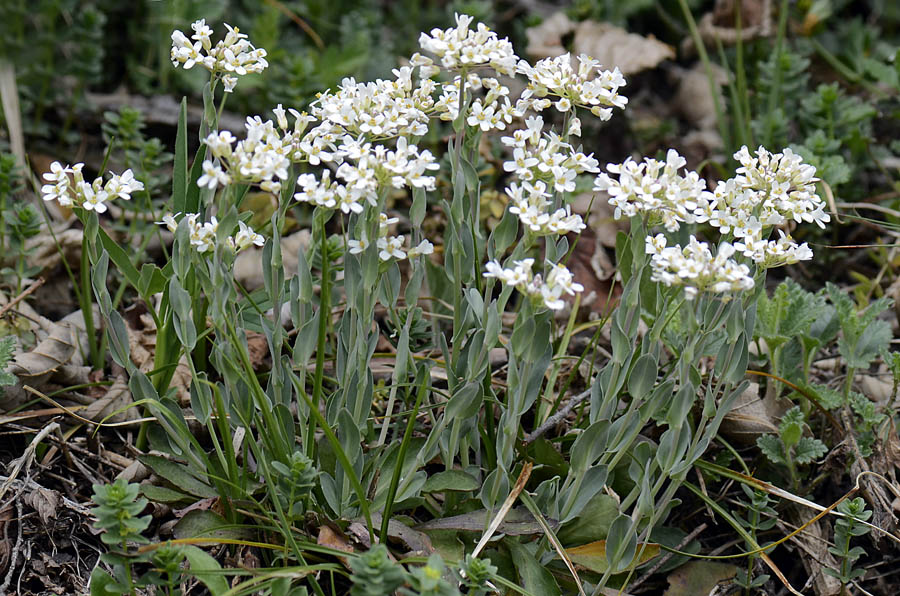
(449, 298)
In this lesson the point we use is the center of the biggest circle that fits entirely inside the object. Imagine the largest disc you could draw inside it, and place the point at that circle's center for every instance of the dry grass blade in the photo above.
(504, 509)
(9, 96)
(27, 457)
(557, 545)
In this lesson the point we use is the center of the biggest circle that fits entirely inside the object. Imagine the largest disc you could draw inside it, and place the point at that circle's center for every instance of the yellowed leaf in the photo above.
(592, 555)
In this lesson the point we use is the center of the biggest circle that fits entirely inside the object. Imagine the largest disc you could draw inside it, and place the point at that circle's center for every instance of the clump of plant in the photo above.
(118, 516)
(124, 131)
(789, 448)
(118, 511)
(304, 435)
(760, 517)
(846, 528)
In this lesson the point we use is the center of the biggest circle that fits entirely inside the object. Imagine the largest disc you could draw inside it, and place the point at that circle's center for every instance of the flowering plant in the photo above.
(347, 163)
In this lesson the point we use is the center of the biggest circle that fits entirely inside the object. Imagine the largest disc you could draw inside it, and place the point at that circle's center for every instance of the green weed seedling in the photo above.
(845, 529)
(760, 516)
(789, 448)
(117, 509)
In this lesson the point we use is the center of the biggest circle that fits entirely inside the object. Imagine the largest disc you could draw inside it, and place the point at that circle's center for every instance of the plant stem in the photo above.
(87, 305)
(324, 315)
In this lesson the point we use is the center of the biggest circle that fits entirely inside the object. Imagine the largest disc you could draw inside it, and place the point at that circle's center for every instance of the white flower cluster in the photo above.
(531, 201)
(390, 247)
(461, 47)
(549, 291)
(494, 111)
(769, 190)
(363, 169)
(203, 234)
(378, 110)
(262, 158)
(656, 189)
(77, 192)
(588, 86)
(695, 268)
(544, 163)
(231, 57)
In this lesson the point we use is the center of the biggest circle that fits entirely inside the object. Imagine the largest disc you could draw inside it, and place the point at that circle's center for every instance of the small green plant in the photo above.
(789, 320)
(789, 448)
(374, 574)
(428, 580)
(760, 517)
(118, 512)
(117, 509)
(477, 574)
(7, 349)
(124, 130)
(22, 221)
(845, 529)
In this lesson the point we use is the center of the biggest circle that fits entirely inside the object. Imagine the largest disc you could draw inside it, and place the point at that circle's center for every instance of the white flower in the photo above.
(390, 247)
(695, 268)
(556, 77)
(548, 292)
(234, 55)
(246, 237)
(212, 176)
(58, 173)
(169, 221)
(357, 246)
(92, 200)
(423, 248)
(465, 47)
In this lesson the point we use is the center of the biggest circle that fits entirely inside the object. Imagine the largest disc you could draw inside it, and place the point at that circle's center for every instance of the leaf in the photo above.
(534, 577)
(466, 402)
(874, 339)
(205, 568)
(203, 523)
(162, 494)
(450, 480)
(103, 584)
(592, 523)
(789, 313)
(178, 475)
(809, 449)
(698, 577)
(772, 448)
(180, 169)
(518, 522)
(7, 347)
(592, 556)
(791, 427)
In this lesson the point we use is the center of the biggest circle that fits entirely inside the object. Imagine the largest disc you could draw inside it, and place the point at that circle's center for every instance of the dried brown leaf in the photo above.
(751, 416)
(332, 539)
(546, 40)
(613, 46)
(45, 502)
(117, 397)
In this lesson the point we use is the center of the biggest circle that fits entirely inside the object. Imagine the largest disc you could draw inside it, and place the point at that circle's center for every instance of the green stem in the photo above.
(324, 315)
(401, 457)
(87, 305)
